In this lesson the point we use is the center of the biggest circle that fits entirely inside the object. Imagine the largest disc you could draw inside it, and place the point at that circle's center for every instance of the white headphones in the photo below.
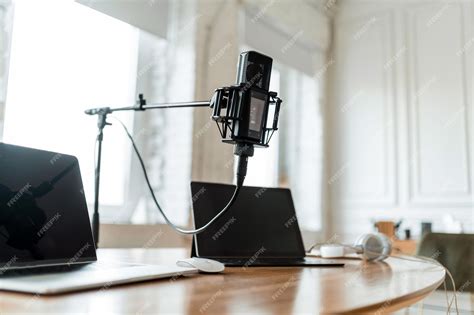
(371, 247)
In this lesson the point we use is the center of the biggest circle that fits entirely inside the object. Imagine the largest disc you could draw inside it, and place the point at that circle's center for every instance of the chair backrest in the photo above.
(455, 252)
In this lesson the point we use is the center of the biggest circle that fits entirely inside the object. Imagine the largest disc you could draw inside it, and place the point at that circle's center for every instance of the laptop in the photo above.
(46, 242)
(260, 229)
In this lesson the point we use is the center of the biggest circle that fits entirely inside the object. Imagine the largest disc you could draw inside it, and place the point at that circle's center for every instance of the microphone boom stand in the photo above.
(102, 113)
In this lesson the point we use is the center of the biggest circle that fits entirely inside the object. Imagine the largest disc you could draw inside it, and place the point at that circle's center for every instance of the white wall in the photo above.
(400, 116)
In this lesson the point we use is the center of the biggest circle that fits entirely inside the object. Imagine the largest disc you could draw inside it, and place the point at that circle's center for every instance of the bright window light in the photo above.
(66, 58)
(263, 166)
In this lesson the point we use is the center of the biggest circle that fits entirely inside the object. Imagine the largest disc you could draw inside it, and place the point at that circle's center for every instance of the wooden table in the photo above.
(357, 288)
(407, 247)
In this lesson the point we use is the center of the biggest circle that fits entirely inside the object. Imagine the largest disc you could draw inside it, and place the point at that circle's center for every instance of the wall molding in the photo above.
(416, 193)
(385, 25)
(352, 215)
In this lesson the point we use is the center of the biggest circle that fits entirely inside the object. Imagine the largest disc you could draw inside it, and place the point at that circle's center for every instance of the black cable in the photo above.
(242, 169)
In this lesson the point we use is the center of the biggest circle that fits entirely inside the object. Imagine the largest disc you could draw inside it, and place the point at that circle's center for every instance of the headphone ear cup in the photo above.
(375, 247)
(387, 246)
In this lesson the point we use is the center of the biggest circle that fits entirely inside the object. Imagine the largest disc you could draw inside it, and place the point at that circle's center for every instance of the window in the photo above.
(301, 148)
(283, 164)
(62, 65)
(67, 58)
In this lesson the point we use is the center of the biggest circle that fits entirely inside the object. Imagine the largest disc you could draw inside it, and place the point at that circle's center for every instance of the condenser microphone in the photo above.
(242, 110)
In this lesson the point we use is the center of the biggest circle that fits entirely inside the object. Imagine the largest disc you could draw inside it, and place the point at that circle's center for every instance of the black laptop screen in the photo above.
(43, 212)
(261, 223)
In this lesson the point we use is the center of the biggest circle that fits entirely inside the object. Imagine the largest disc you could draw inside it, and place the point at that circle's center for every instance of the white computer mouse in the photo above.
(202, 264)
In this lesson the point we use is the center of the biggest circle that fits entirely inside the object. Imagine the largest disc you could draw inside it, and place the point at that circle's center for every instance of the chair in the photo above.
(456, 253)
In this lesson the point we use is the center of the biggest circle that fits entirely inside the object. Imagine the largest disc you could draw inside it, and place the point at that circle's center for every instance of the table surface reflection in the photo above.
(357, 288)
